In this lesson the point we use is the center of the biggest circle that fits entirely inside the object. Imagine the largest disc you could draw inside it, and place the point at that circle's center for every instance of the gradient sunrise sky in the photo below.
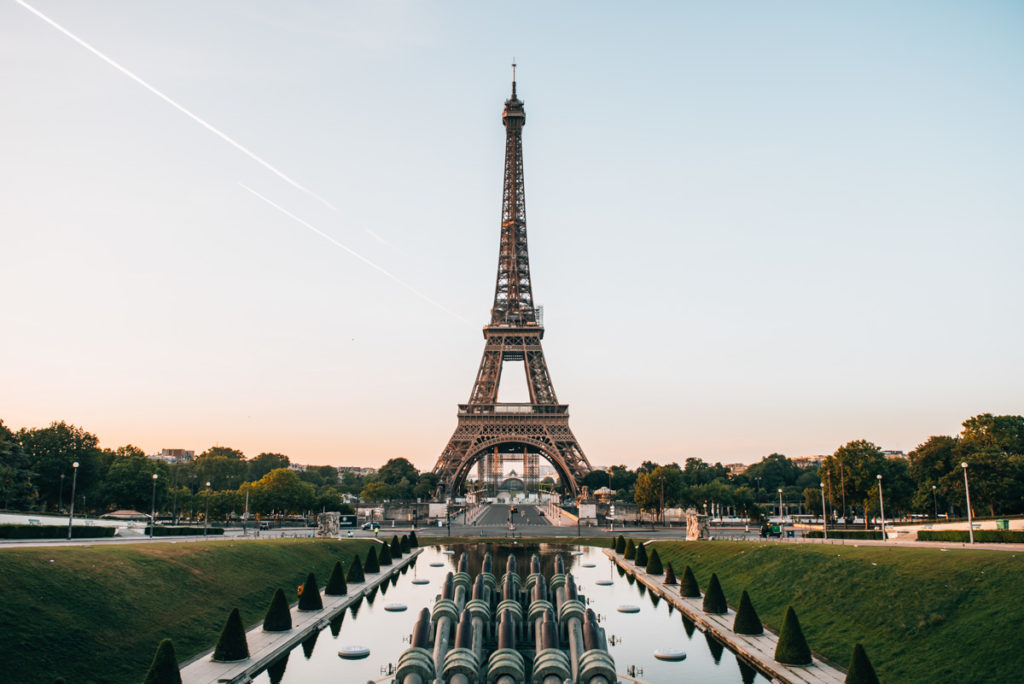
(754, 227)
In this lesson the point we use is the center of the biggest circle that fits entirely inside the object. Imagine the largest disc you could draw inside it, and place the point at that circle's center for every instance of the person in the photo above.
(350, 533)
(376, 532)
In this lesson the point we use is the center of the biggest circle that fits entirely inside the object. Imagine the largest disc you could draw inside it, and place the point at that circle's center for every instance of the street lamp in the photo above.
(152, 509)
(74, 481)
(967, 491)
(206, 516)
(60, 497)
(824, 520)
(935, 505)
(780, 505)
(881, 505)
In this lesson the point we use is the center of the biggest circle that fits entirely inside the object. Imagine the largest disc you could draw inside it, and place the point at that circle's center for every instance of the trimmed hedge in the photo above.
(846, 534)
(371, 564)
(396, 547)
(385, 555)
(714, 597)
(310, 599)
(405, 543)
(747, 620)
(355, 571)
(232, 644)
(54, 532)
(654, 566)
(620, 544)
(688, 586)
(670, 575)
(181, 531)
(630, 552)
(164, 669)
(336, 585)
(641, 556)
(279, 616)
(413, 541)
(792, 648)
(962, 536)
(861, 671)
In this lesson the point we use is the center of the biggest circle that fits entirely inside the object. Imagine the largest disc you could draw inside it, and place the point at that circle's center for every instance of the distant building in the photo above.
(809, 461)
(737, 468)
(173, 456)
(297, 466)
(893, 453)
(356, 470)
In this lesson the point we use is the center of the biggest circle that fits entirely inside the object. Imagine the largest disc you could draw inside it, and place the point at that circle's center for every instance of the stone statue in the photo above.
(327, 525)
(697, 526)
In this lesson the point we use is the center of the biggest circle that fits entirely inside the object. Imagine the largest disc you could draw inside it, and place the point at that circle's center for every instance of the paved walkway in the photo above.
(757, 650)
(265, 647)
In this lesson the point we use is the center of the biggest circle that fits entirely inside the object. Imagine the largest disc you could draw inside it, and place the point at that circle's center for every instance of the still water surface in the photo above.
(633, 638)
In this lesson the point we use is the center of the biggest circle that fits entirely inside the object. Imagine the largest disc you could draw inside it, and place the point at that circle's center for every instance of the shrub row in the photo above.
(53, 531)
(988, 536)
(846, 534)
(162, 531)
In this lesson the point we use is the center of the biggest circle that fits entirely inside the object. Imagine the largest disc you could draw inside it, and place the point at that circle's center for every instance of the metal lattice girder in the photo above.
(514, 334)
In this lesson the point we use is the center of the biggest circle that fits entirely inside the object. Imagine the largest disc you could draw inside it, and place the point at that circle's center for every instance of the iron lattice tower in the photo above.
(486, 427)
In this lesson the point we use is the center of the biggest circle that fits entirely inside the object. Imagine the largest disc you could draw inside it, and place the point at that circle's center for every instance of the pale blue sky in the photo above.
(754, 227)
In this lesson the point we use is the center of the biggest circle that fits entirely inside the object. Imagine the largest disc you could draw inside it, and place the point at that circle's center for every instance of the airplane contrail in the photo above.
(351, 251)
(223, 136)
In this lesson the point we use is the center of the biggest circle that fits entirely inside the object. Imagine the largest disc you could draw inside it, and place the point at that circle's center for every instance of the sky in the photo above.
(754, 227)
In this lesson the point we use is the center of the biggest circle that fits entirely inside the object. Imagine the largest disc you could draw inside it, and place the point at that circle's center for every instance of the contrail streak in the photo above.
(220, 134)
(351, 251)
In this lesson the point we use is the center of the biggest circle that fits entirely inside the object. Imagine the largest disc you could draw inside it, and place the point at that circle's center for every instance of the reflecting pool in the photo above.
(633, 638)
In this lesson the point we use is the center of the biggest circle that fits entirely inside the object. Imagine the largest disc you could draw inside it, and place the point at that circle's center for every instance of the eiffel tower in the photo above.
(488, 429)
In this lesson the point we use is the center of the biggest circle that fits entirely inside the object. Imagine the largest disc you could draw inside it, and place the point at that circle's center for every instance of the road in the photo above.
(497, 514)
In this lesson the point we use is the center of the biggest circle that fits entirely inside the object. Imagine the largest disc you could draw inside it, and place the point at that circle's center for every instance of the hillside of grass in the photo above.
(96, 614)
(923, 615)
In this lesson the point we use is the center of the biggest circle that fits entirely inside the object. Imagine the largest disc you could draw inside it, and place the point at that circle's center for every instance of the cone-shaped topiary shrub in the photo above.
(396, 547)
(620, 544)
(670, 576)
(163, 669)
(276, 669)
(714, 597)
(232, 644)
(336, 585)
(310, 599)
(405, 543)
(747, 621)
(413, 541)
(371, 564)
(654, 564)
(861, 671)
(355, 571)
(278, 617)
(641, 556)
(688, 586)
(630, 552)
(385, 554)
(792, 648)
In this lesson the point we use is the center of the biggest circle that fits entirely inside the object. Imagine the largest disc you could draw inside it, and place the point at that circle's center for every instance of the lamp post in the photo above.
(824, 520)
(881, 505)
(970, 516)
(780, 505)
(60, 497)
(152, 509)
(74, 481)
(935, 505)
(206, 516)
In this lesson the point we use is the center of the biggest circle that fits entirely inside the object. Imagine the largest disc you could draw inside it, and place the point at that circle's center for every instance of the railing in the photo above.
(512, 409)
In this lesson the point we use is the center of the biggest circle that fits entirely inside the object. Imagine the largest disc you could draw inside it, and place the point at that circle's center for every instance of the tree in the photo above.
(52, 450)
(222, 467)
(855, 466)
(772, 472)
(129, 480)
(264, 463)
(861, 671)
(654, 566)
(714, 597)
(747, 620)
(16, 487)
(281, 489)
(279, 616)
(792, 648)
(426, 485)
(232, 644)
(688, 586)
(336, 585)
(310, 598)
(1003, 433)
(376, 491)
(929, 463)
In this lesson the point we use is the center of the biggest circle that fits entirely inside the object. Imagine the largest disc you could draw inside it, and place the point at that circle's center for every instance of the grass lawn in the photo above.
(923, 615)
(96, 614)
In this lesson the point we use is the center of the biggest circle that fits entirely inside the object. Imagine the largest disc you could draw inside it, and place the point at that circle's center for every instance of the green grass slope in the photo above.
(97, 614)
(923, 615)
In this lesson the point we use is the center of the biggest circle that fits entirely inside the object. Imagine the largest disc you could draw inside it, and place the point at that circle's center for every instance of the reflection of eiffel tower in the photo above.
(487, 429)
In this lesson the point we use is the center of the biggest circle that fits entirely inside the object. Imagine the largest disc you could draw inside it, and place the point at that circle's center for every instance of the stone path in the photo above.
(265, 647)
(757, 650)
